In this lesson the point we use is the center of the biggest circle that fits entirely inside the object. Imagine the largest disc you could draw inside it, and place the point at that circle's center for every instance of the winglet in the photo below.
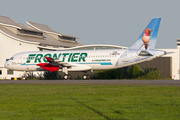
(147, 39)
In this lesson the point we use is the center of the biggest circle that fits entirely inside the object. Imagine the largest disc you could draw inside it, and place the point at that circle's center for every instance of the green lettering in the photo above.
(74, 57)
(55, 56)
(30, 57)
(59, 56)
(69, 57)
(47, 55)
(64, 56)
(82, 57)
(38, 58)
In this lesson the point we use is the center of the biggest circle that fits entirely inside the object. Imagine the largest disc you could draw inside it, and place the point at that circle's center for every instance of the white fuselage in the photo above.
(81, 60)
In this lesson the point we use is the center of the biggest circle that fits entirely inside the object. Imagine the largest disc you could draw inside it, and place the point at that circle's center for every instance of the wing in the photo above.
(55, 65)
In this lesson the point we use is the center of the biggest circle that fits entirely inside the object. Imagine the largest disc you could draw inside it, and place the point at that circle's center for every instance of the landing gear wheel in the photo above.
(67, 76)
(85, 77)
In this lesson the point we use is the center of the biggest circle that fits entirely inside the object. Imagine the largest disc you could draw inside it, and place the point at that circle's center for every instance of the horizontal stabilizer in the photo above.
(145, 53)
(169, 53)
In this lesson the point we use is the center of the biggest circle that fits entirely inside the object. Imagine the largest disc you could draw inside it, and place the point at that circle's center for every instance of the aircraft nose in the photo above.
(6, 64)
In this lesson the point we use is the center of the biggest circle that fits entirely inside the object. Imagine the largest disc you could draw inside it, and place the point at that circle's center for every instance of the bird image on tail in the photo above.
(146, 37)
(143, 48)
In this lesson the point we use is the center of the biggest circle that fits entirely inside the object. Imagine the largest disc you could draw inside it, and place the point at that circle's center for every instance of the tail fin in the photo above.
(147, 39)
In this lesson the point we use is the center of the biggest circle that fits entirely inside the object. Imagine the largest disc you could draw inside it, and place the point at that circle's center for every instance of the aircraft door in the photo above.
(19, 59)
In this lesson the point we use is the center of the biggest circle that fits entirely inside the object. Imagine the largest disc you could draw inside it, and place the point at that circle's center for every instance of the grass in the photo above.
(89, 102)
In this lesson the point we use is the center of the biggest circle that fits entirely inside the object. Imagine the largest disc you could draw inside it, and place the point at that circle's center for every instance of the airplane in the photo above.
(89, 60)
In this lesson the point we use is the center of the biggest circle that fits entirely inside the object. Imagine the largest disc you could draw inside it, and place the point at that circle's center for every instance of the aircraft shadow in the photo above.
(94, 110)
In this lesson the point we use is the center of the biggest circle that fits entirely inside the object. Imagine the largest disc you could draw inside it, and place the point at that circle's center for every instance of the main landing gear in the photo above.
(67, 76)
(86, 77)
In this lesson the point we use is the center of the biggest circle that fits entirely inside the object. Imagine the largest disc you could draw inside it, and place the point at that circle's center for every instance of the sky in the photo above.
(113, 22)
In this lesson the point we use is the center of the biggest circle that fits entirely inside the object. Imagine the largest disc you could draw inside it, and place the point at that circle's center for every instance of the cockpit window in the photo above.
(11, 58)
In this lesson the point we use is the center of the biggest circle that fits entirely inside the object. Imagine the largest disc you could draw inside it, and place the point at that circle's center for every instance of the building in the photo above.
(15, 38)
(168, 64)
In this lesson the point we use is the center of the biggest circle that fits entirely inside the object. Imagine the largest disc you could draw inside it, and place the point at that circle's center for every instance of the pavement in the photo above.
(97, 82)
